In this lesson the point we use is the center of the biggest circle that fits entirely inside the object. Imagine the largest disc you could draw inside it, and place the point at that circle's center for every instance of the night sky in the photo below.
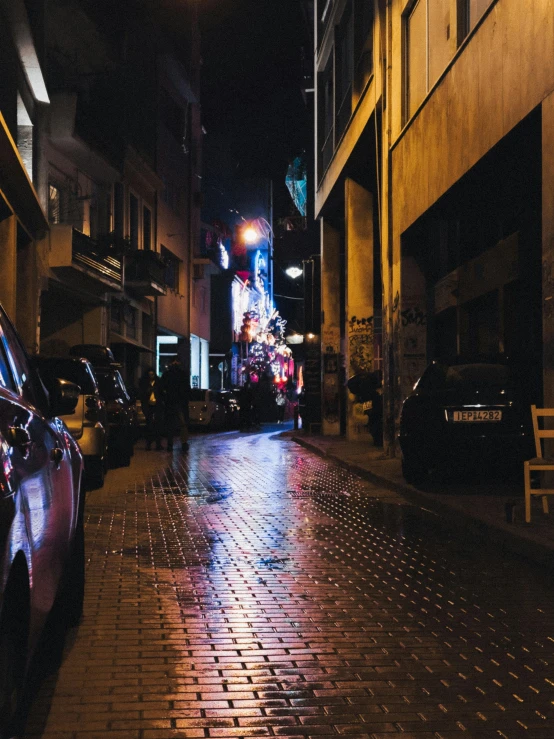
(252, 106)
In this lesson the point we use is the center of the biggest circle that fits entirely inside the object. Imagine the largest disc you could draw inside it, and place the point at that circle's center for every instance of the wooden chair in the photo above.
(540, 463)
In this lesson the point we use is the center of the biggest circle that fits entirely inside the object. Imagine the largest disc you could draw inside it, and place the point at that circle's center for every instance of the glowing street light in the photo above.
(293, 272)
(250, 235)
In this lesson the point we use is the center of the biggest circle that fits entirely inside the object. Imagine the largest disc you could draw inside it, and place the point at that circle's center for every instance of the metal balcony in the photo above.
(79, 260)
(145, 273)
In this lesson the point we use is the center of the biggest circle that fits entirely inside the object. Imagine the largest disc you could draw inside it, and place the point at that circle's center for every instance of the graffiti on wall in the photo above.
(413, 325)
(360, 344)
(331, 339)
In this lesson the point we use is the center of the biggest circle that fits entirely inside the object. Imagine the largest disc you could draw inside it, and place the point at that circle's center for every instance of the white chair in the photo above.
(540, 463)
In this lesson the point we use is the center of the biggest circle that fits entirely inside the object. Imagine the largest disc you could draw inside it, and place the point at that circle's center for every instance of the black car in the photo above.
(42, 561)
(122, 414)
(88, 424)
(463, 411)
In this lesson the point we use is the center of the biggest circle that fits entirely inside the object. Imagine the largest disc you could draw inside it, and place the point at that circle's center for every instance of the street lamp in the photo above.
(293, 272)
(256, 230)
(250, 235)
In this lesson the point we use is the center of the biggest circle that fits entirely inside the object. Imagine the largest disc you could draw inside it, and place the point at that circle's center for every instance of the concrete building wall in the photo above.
(503, 70)
(330, 328)
(359, 315)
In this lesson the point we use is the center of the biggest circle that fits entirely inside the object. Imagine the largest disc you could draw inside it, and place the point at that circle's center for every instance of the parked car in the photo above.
(89, 423)
(205, 410)
(41, 517)
(464, 410)
(122, 414)
(230, 401)
(97, 354)
(101, 357)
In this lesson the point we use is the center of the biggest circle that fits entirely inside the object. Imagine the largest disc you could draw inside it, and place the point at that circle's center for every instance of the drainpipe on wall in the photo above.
(390, 367)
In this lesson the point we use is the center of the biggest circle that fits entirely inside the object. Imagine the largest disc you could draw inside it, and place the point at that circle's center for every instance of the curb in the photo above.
(516, 542)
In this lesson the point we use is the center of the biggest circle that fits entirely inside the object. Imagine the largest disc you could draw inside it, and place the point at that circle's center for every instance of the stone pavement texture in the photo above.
(252, 588)
(493, 509)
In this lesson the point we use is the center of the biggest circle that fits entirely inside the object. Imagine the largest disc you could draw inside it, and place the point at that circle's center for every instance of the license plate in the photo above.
(476, 416)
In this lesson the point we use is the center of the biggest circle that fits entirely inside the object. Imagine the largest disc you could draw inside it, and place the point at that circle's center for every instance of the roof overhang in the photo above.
(16, 13)
(16, 187)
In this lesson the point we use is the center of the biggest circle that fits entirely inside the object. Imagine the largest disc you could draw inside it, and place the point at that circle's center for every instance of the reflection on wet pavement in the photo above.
(249, 588)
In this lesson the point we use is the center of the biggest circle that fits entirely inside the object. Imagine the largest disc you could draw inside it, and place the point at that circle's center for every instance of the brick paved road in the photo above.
(253, 589)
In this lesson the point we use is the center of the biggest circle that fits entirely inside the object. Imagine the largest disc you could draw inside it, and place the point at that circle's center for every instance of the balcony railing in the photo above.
(144, 273)
(86, 252)
(78, 259)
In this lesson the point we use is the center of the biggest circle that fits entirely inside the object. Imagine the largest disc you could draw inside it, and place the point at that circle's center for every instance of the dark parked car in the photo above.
(462, 411)
(89, 423)
(41, 516)
(122, 414)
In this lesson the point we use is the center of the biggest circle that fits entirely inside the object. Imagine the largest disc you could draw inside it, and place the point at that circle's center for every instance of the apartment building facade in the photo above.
(24, 102)
(434, 191)
(100, 176)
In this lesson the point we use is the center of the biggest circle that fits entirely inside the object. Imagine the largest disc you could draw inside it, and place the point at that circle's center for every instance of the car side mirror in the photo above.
(64, 396)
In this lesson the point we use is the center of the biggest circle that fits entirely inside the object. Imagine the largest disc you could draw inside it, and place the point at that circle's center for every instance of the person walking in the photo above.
(176, 391)
(281, 402)
(151, 398)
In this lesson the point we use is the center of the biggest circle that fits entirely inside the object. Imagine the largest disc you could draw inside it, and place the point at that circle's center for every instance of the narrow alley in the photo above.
(250, 588)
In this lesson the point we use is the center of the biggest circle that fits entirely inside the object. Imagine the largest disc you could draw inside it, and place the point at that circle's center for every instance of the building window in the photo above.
(146, 228)
(476, 8)
(326, 117)
(416, 57)
(170, 195)
(432, 35)
(203, 293)
(116, 315)
(54, 204)
(325, 12)
(134, 221)
(172, 269)
(442, 42)
(147, 333)
(130, 315)
(172, 116)
(363, 46)
(118, 219)
(344, 71)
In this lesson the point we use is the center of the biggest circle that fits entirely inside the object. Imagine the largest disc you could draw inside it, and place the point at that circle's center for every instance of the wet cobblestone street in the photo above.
(250, 588)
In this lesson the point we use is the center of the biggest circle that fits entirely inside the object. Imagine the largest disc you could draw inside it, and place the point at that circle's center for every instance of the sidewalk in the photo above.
(483, 509)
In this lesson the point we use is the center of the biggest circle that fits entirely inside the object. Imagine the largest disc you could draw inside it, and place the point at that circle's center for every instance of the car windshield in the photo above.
(74, 371)
(110, 386)
(439, 377)
(197, 395)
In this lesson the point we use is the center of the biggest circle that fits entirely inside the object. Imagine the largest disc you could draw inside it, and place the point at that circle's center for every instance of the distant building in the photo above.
(100, 183)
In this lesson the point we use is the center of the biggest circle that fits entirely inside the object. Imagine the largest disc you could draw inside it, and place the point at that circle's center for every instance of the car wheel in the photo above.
(13, 648)
(127, 451)
(413, 469)
(95, 471)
